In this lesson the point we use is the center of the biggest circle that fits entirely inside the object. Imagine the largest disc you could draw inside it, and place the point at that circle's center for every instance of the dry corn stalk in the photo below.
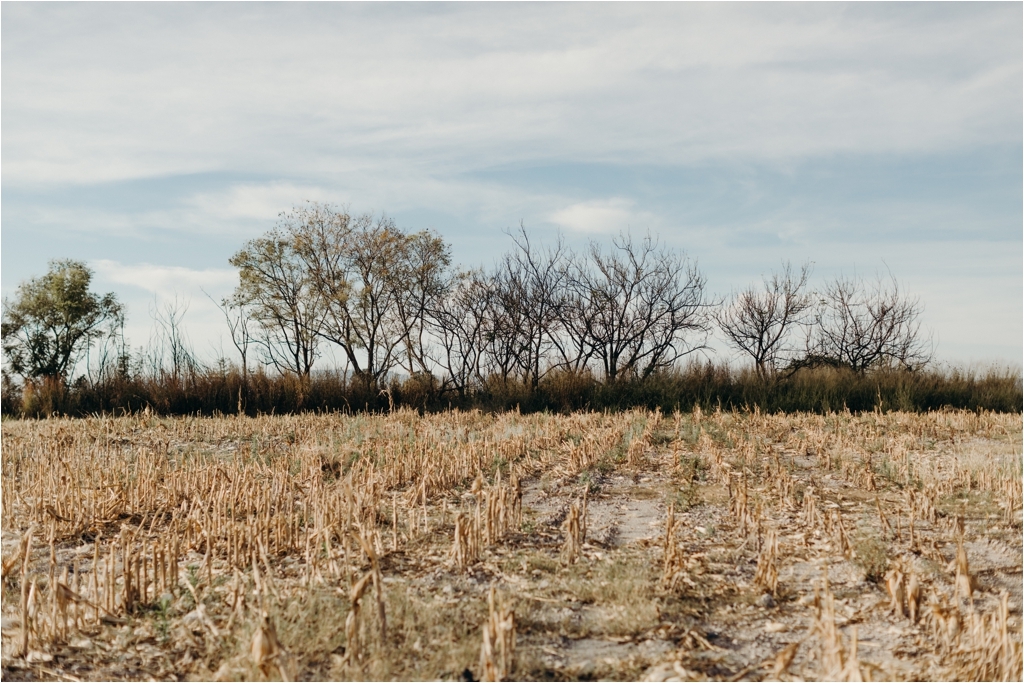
(883, 520)
(503, 509)
(266, 649)
(26, 593)
(497, 652)
(767, 575)
(584, 514)
(669, 545)
(868, 476)
(352, 623)
(838, 528)
(1011, 496)
(944, 621)
(739, 503)
(964, 582)
(465, 544)
(894, 584)
(378, 585)
(926, 505)
(783, 484)
(904, 592)
(837, 661)
(575, 527)
(913, 592)
(783, 659)
(10, 564)
(675, 565)
(811, 516)
(978, 646)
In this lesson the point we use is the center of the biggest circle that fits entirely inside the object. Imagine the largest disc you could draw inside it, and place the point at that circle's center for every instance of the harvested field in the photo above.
(725, 546)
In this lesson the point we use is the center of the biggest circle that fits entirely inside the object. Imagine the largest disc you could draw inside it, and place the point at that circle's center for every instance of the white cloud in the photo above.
(259, 201)
(602, 217)
(165, 280)
(242, 210)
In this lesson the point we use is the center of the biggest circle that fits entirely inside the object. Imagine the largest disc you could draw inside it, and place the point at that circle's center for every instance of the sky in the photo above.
(151, 140)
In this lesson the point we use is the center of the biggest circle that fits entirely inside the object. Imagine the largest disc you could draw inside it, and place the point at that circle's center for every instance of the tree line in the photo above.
(390, 302)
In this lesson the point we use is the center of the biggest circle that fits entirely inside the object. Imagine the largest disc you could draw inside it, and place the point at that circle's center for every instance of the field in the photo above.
(472, 546)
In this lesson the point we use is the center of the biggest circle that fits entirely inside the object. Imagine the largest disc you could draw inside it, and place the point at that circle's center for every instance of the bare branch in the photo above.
(862, 326)
(758, 322)
(643, 307)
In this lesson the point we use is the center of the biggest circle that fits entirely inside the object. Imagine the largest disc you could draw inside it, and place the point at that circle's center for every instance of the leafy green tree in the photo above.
(53, 320)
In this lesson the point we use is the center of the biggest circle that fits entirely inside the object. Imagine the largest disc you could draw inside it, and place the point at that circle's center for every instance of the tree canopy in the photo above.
(53, 319)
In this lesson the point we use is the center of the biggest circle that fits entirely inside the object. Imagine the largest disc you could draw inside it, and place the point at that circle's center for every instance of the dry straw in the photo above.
(114, 515)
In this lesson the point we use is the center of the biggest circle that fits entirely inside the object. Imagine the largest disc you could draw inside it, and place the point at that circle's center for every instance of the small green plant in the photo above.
(589, 481)
(888, 471)
(606, 463)
(707, 532)
(687, 497)
(542, 563)
(193, 580)
(163, 621)
(871, 554)
(496, 465)
(662, 438)
(694, 469)
(689, 432)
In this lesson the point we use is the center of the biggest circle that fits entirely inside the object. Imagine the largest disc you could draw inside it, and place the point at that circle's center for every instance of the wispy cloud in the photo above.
(327, 88)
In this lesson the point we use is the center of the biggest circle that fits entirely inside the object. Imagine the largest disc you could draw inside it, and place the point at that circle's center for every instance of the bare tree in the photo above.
(275, 286)
(758, 321)
(508, 335)
(112, 357)
(377, 283)
(421, 280)
(462, 323)
(323, 235)
(171, 340)
(643, 305)
(574, 345)
(863, 325)
(238, 320)
(529, 283)
(376, 251)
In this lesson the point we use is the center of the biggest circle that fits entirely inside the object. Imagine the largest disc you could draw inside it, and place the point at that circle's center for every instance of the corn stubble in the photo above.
(399, 546)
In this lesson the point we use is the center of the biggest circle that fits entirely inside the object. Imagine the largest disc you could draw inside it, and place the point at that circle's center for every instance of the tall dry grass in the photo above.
(224, 391)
